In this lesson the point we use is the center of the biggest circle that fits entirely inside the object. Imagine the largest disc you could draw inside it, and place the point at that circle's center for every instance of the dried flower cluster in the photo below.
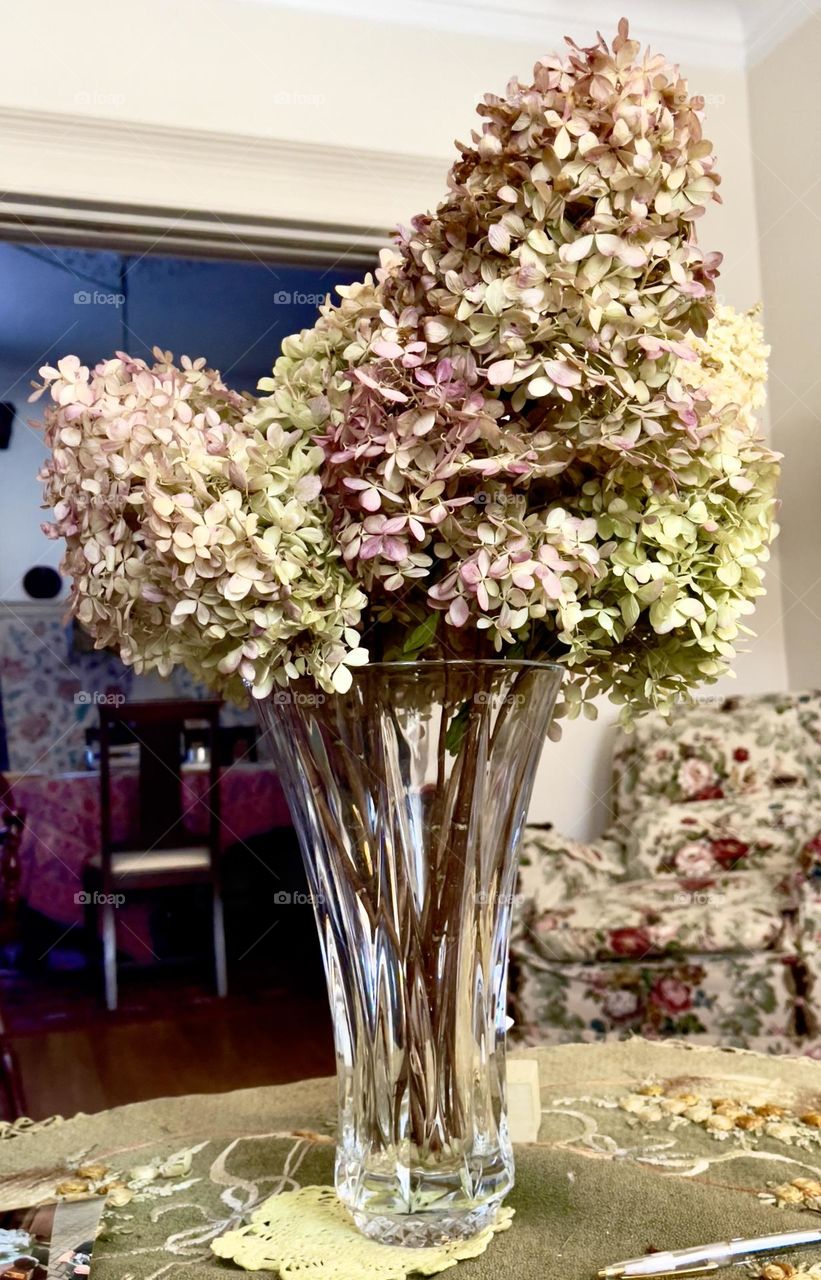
(531, 433)
(747, 1119)
(192, 536)
(801, 1193)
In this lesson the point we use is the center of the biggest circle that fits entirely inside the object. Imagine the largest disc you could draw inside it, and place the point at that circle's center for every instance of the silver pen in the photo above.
(708, 1257)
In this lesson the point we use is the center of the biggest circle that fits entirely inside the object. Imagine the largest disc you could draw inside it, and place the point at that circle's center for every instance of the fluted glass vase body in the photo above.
(409, 794)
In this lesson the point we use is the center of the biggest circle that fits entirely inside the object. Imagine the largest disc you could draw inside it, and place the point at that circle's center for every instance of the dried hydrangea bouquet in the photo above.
(522, 455)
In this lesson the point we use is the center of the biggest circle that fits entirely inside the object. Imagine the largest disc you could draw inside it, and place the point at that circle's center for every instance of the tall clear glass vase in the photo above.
(409, 794)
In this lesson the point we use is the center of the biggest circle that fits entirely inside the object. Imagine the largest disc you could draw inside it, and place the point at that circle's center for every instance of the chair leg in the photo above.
(110, 955)
(12, 1082)
(219, 944)
(91, 936)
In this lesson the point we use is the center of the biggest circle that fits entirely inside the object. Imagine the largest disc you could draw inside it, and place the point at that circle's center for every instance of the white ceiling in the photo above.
(725, 33)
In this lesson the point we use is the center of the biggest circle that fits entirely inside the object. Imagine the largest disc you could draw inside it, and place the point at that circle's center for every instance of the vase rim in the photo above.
(423, 663)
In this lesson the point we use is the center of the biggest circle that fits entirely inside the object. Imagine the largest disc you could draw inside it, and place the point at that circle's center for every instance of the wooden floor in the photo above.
(169, 1037)
(170, 1034)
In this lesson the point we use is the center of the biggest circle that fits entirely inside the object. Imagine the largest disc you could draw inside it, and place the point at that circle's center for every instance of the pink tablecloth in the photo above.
(63, 825)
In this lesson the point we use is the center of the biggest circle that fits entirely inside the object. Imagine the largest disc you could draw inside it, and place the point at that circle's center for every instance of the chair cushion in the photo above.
(133, 863)
(665, 916)
(712, 751)
(746, 833)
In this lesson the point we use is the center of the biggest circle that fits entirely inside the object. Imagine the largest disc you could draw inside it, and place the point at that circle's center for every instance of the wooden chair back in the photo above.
(158, 729)
(12, 822)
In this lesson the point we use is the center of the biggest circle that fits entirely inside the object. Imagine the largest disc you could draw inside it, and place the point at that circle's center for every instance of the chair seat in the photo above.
(154, 864)
(666, 916)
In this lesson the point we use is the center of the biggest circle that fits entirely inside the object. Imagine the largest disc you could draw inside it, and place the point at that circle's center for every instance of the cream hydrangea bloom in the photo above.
(195, 534)
(732, 363)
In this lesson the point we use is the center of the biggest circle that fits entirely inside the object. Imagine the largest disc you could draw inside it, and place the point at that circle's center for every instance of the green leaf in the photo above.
(630, 610)
(421, 636)
(457, 727)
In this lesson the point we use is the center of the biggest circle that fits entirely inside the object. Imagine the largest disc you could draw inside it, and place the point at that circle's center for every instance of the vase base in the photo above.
(426, 1230)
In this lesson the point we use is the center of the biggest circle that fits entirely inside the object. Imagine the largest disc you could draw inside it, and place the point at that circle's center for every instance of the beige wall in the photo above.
(785, 100)
(266, 72)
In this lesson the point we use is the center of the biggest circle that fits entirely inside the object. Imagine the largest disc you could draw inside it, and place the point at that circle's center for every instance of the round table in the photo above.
(619, 1165)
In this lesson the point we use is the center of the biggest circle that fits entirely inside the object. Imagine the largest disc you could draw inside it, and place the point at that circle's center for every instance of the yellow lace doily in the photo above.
(308, 1234)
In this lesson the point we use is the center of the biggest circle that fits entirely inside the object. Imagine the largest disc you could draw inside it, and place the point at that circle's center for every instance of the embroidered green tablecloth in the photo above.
(641, 1145)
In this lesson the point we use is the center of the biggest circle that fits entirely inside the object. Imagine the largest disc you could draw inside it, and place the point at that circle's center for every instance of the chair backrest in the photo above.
(158, 728)
(718, 748)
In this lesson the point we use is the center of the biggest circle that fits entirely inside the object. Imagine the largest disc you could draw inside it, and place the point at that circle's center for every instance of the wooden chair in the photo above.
(162, 854)
(12, 821)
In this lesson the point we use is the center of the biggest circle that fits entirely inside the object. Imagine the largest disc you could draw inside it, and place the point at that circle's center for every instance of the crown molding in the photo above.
(730, 34)
(768, 22)
(66, 172)
(694, 32)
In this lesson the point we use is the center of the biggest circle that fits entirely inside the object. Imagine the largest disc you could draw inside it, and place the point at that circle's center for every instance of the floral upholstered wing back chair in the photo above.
(698, 913)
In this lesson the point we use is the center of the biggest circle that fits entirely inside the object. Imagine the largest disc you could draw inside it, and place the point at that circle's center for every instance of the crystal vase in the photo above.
(409, 794)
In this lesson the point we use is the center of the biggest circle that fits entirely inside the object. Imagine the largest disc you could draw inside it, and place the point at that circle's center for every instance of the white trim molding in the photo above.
(67, 175)
(26, 610)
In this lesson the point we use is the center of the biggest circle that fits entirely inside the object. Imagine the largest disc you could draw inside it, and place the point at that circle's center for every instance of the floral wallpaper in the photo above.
(50, 691)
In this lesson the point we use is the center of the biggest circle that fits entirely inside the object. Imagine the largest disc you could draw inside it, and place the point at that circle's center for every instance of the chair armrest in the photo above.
(554, 869)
